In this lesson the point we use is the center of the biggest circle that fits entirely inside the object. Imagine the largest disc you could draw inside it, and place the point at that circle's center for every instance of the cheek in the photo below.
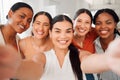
(46, 29)
(28, 25)
(96, 28)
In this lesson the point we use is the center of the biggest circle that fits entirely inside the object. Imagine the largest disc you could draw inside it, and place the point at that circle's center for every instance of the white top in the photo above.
(53, 71)
(108, 75)
(2, 41)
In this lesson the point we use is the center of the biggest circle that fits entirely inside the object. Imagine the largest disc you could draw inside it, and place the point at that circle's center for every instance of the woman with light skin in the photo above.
(105, 21)
(64, 62)
(19, 18)
(84, 34)
(40, 40)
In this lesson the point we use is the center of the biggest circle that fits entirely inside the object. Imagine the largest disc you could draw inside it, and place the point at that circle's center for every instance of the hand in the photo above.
(9, 61)
(113, 52)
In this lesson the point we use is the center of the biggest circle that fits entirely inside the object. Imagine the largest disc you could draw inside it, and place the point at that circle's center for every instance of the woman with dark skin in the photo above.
(19, 18)
(105, 21)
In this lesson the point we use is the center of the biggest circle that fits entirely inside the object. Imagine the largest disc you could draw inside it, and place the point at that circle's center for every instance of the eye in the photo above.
(87, 22)
(69, 31)
(109, 22)
(29, 20)
(78, 20)
(97, 23)
(21, 16)
(57, 31)
(46, 24)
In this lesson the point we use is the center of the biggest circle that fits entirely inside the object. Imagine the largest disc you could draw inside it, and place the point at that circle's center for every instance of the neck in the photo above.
(9, 32)
(79, 38)
(40, 42)
(61, 51)
(105, 42)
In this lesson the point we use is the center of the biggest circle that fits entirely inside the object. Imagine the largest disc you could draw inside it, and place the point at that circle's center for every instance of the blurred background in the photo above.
(54, 7)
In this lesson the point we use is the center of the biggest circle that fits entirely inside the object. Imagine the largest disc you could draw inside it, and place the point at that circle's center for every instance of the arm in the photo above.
(96, 63)
(31, 69)
(9, 61)
(22, 46)
(93, 63)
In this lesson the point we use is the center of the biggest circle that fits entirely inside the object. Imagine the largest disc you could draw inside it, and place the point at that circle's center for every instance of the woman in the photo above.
(19, 18)
(84, 34)
(56, 63)
(105, 21)
(40, 40)
(63, 61)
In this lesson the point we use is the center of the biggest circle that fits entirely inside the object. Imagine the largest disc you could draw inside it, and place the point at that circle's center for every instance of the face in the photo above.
(82, 24)
(20, 19)
(62, 34)
(105, 25)
(41, 27)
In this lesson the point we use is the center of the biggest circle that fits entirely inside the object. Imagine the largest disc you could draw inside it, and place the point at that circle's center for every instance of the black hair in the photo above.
(109, 11)
(42, 13)
(74, 53)
(83, 10)
(19, 5)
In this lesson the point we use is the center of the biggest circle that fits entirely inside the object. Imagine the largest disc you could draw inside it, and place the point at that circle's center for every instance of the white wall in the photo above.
(55, 7)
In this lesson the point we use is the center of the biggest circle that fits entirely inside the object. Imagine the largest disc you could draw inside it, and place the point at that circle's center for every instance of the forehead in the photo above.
(62, 25)
(25, 11)
(42, 17)
(104, 16)
(84, 16)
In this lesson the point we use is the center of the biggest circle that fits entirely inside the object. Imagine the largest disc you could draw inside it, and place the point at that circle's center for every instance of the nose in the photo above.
(103, 25)
(40, 27)
(82, 25)
(63, 35)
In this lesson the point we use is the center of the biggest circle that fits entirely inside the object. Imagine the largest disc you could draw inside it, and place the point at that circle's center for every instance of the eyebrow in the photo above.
(60, 29)
(24, 14)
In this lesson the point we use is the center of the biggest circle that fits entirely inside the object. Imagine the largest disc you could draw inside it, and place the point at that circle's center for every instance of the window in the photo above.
(4, 8)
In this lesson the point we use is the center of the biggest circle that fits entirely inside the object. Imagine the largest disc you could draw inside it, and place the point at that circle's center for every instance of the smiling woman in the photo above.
(19, 18)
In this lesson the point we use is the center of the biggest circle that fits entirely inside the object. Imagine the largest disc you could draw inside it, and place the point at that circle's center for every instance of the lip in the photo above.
(63, 41)
(103, 31)
(81, 30)
(22, 27)
(40, 32)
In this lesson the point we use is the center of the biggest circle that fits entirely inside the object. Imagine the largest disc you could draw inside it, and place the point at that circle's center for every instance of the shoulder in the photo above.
(24, 42)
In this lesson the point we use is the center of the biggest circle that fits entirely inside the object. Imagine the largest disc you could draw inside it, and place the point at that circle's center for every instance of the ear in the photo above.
(50, 33)
(10, 13)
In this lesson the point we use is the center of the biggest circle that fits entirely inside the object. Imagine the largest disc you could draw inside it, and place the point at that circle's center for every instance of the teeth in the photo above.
(62, 41)
(103, 32)
(81, 30)
(21, 26)
(40, 33)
